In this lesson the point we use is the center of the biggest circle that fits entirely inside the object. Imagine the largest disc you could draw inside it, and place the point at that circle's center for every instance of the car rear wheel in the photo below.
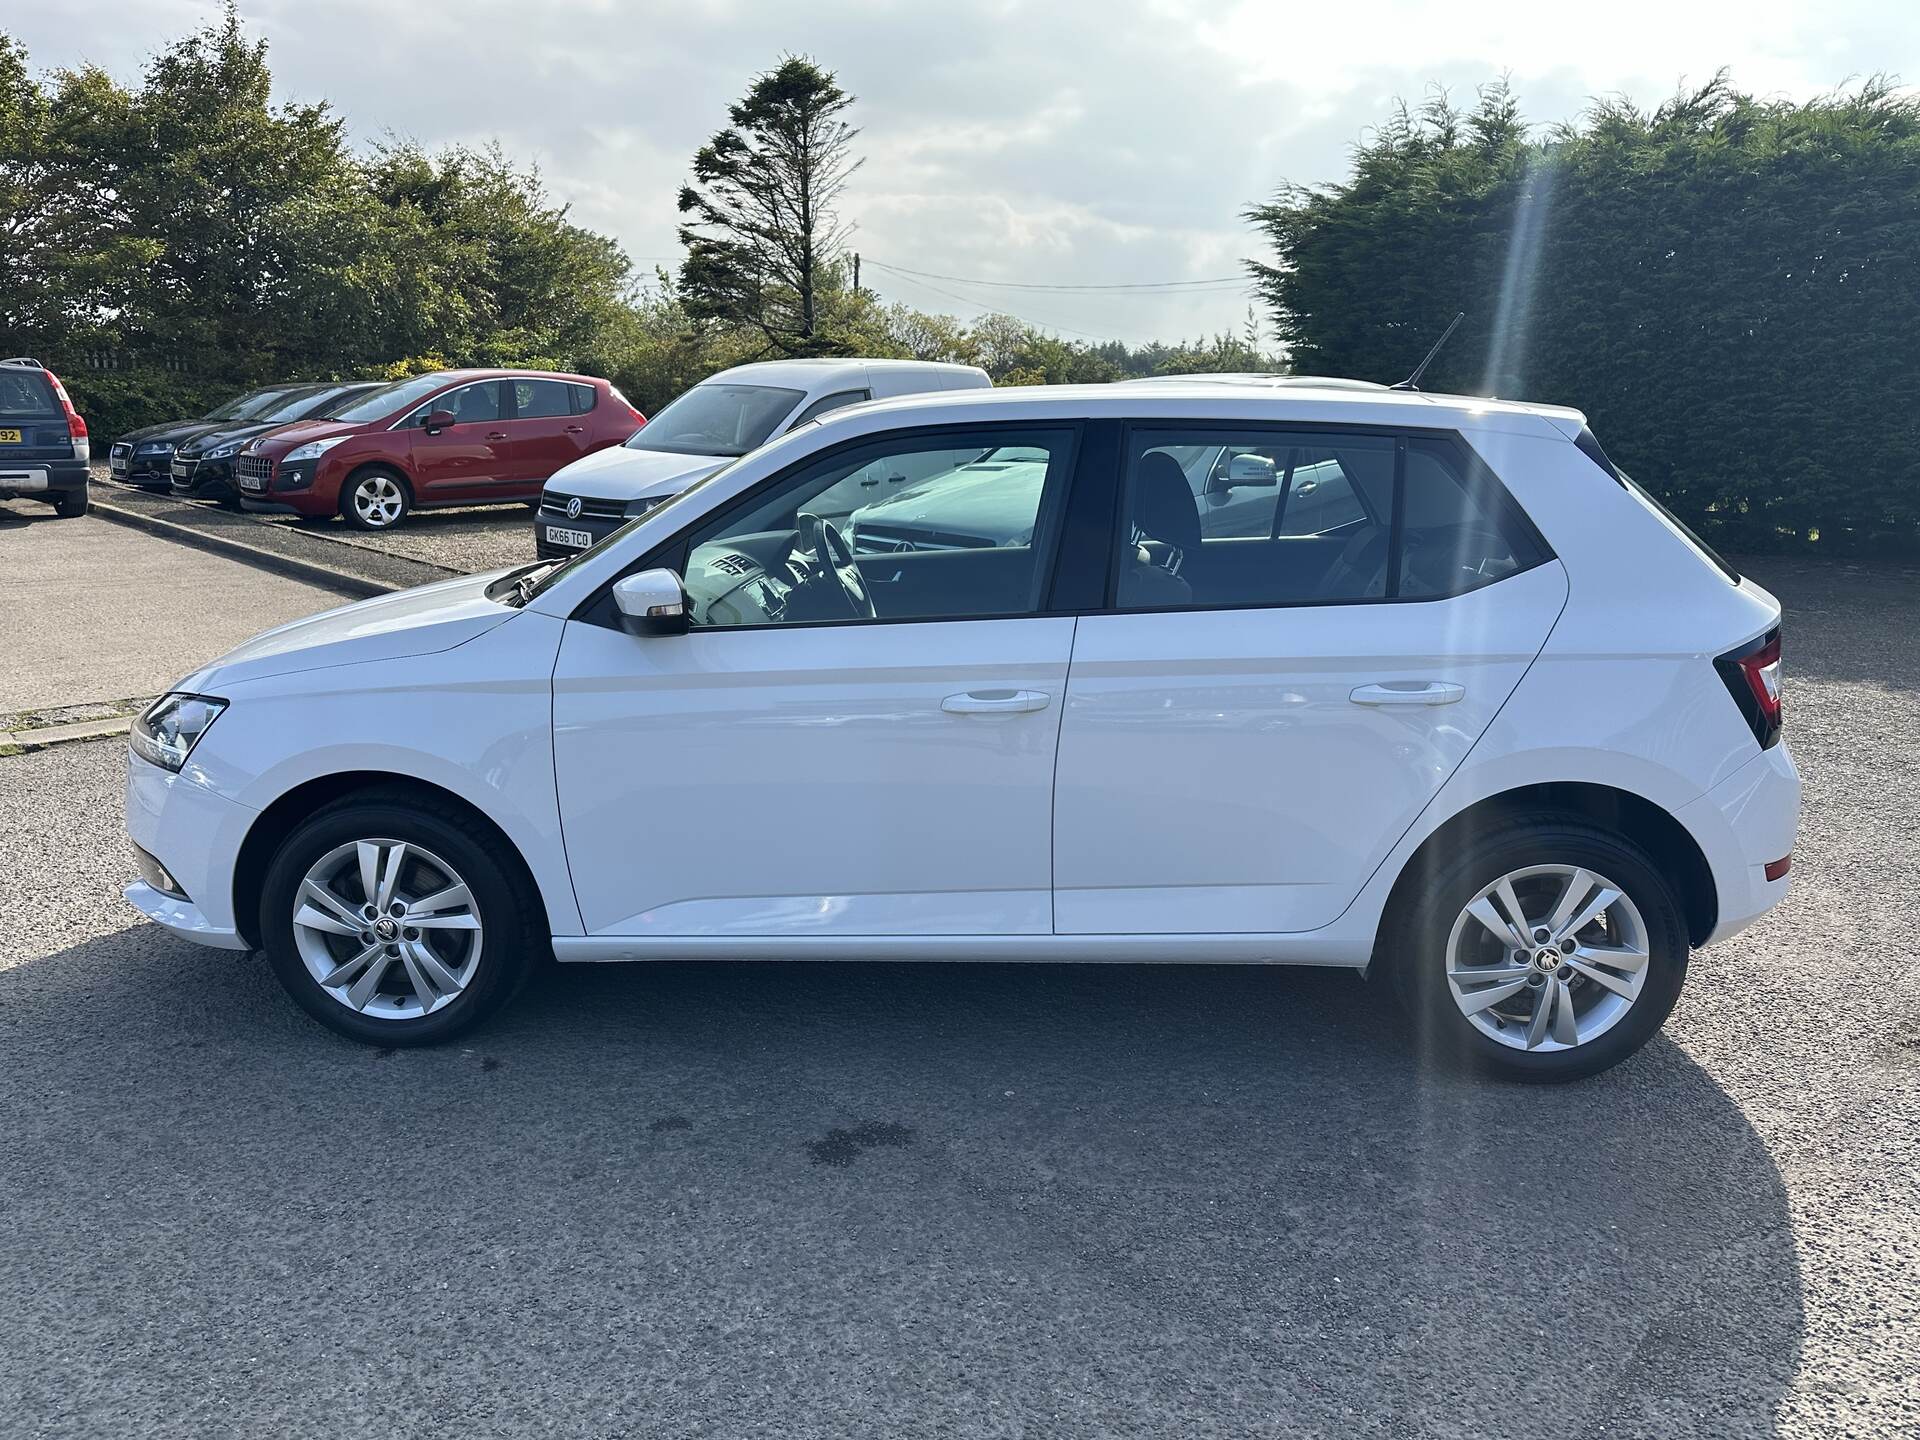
(1549, 950)
(71, 506)
(398, 922)
(375, 500)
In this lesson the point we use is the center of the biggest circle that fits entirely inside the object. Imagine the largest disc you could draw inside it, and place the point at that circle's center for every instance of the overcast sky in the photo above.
(1058, 142)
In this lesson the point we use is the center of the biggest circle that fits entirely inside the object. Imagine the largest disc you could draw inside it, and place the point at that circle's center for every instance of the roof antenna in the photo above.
(1412, 382)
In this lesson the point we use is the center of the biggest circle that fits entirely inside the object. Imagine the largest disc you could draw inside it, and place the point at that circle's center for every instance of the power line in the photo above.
(1236, 281)
(983, 305)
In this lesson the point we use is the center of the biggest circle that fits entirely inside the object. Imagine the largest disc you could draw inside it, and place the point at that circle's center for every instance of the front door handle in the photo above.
(1409, 692)
(994, 702)
(576, 429)
(496, 435)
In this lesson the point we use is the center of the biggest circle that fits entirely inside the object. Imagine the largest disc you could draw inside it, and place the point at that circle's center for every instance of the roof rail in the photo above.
(24, 362)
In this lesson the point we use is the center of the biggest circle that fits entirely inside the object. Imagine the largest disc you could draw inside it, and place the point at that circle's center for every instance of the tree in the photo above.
(763, 238)
(1728, 286)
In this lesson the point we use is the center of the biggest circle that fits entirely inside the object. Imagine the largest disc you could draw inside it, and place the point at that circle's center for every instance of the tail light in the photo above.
(76, 426)
(1752, 676)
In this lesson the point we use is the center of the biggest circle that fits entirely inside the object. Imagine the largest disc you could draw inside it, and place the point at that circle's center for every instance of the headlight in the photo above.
(153, 447)
(637, 508)
(232, 447)
(314, 449)
(168, 729)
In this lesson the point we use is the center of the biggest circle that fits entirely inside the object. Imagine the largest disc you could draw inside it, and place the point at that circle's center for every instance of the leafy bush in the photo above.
(1729, 287)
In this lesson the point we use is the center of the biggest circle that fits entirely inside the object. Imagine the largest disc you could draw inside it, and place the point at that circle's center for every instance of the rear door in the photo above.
(468, 460)
(547, 427)
(1261, 712)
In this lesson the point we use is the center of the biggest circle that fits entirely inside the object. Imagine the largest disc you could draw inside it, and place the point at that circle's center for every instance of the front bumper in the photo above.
(196, 834)
(1742, 825)
(597, 527)
(151, 471)
(203, 479)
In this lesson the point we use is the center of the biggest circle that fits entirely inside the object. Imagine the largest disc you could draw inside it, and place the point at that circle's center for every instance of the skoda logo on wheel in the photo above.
(573, 508)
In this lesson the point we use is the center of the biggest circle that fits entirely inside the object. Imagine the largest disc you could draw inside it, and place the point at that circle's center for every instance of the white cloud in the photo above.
(1069, 141)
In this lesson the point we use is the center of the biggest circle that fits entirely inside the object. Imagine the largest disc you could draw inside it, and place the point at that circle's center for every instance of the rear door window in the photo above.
(541, 399)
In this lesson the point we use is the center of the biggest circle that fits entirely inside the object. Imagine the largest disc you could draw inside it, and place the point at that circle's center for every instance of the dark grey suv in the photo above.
(43, 441)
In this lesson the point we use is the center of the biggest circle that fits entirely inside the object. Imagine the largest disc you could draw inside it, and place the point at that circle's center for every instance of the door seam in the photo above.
(1053, 793)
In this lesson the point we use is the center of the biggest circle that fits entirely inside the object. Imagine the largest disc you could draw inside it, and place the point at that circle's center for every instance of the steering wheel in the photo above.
(834, 557)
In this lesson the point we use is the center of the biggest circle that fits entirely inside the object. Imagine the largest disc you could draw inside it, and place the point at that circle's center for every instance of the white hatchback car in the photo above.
(986, 676)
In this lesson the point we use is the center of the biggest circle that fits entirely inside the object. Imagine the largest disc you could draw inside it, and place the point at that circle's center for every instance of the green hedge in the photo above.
(1729, 287)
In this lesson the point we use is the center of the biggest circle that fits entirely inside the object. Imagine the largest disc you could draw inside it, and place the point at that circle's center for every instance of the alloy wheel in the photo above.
(377, 501)
(388, 929)
(1548, 957)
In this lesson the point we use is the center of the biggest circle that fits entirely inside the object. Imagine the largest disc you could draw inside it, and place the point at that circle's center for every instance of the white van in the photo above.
(719, 419)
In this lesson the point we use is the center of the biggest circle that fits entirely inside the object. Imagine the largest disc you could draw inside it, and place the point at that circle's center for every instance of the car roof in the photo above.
(823, 371)
(447, 377)
(1234, 397)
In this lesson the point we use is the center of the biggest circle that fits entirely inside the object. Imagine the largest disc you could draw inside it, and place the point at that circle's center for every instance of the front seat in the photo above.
(1164, 543)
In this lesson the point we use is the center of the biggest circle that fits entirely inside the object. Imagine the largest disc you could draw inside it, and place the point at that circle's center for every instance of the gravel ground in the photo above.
(475, 538)
(959, 1200)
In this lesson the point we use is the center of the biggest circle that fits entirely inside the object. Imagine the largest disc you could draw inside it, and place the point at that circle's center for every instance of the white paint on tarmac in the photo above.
(92, 611)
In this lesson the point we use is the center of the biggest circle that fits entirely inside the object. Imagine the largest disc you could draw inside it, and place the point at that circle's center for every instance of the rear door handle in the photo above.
(994, 702)
(496, 434)
(576, 429)
(1409, 692)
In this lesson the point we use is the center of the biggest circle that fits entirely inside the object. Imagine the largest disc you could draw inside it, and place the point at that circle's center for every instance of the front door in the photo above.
(467, 459)
(823, 753)
(1267, 707)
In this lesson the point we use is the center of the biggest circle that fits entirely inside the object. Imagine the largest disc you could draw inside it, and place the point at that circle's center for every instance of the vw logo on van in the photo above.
(573, 508)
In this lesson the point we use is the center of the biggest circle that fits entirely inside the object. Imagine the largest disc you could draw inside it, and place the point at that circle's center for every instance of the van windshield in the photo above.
(717, 419)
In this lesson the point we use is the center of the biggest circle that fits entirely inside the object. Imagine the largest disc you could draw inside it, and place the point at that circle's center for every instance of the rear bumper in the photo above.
(41, 479)
(196, 834)
(1742, 825)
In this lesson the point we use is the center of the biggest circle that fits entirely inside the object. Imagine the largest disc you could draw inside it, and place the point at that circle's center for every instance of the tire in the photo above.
(441, 846)
(71, 506)
(374, 493)
(1444, 958)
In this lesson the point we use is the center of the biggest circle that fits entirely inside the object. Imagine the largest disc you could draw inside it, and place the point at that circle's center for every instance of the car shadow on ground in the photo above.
(1088, 1198)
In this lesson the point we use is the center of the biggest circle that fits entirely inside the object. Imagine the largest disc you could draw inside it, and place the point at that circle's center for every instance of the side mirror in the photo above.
(653, 602)
(438, 420)
(1246, 469)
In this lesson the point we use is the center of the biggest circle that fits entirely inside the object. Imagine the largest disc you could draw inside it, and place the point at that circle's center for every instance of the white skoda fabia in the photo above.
(1191, 672)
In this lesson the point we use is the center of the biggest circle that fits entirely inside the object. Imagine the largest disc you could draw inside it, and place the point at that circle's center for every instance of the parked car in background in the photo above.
(44, 447)
(452, 437)
(203, 466)
(1508, 735)
(722, 417)
(144, 457)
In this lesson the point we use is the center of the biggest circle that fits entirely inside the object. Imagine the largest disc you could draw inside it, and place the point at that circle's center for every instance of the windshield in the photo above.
(714, 419)
(388, 399)
(291, 405)
(242, 407)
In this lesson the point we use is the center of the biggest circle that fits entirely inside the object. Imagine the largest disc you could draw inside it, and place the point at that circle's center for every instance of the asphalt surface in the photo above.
(971, 1200)
(96, 612)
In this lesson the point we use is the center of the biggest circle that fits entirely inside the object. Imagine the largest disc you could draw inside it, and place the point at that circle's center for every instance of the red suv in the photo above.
(455, 437)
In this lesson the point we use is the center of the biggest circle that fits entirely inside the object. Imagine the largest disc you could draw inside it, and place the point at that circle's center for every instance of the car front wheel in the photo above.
(397, 921)
(1549, 950)
(375, 500)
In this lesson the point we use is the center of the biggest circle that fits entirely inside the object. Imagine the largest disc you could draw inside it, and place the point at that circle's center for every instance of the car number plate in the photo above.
(9, 437)
(578, 539)
(118, 464)
(252, 482)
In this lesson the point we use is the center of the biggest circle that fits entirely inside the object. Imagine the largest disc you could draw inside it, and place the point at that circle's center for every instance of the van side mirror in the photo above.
(652, 602)
(438, 420)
